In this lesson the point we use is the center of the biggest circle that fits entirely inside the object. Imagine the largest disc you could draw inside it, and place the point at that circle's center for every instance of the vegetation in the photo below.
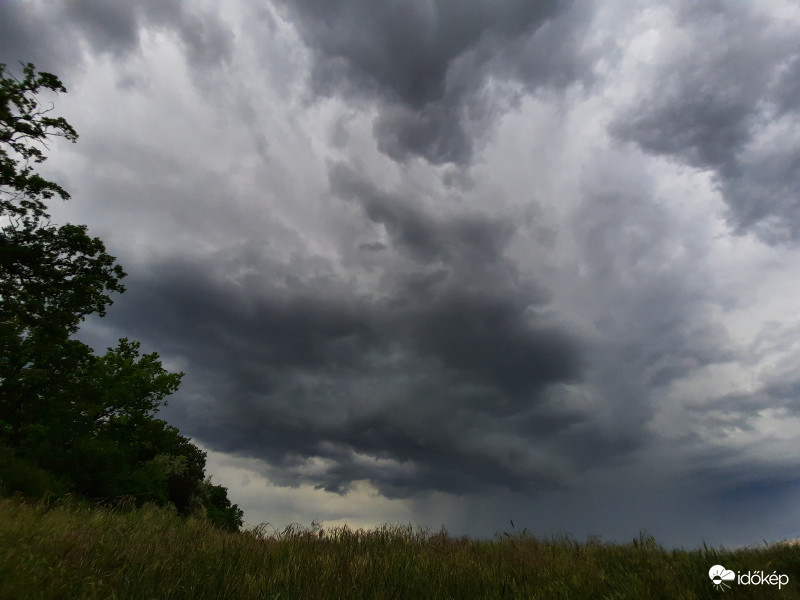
(76, 551)
(72, 422)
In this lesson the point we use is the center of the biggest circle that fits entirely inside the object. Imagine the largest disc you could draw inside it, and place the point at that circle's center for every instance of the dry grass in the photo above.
(76, 551)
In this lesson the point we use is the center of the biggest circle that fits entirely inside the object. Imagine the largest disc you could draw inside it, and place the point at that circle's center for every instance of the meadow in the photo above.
(75, 550)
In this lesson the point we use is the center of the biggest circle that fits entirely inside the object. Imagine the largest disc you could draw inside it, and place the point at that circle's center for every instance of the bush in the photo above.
(18, 475)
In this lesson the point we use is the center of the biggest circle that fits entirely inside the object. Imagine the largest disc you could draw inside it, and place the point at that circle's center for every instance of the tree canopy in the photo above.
(72, 421)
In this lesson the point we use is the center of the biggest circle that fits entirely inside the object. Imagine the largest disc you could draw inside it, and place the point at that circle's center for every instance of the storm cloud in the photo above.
(453, 262)
(50, 36)
(432, 64)
(726, 102)
(315, 370)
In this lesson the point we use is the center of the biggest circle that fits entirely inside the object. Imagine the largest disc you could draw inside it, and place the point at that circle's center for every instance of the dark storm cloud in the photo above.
(430, 62)
(50, 36)
(727, 102)
(649, 296)
(741, 411)
(736, 481)
(408, 47)
(109, 26)
(471, 308)
(293, 321)
(282, 385)
(476, 238)
(28, 33)
(443, 379)
(652, 295)
(114, 27)
(531, 331)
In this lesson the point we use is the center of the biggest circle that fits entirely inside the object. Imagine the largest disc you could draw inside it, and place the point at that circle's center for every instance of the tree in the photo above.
(71, 420)
(51, 277)
(24, 130)
(213, 502)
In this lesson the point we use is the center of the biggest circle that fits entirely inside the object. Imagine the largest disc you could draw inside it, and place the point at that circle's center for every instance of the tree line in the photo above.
(71, 421)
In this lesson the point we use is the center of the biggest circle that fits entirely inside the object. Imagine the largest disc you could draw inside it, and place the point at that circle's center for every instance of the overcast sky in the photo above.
(453, 263)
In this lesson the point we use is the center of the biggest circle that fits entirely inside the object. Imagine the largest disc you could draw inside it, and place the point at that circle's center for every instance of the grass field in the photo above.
(78, 551)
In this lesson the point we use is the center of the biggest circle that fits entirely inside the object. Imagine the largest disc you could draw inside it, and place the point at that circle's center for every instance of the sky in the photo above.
(453, 263)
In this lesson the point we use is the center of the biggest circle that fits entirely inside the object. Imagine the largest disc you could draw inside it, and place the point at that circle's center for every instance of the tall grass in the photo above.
(78, 551)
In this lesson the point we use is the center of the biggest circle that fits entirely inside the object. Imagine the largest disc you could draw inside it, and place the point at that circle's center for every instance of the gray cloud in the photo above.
(408, 48)
(28, 33)
(715, 102)
(429, 64)
(207, 39)
(50, 35)
(109, 26)
(534, 321)
(309, 369)
(471, 307)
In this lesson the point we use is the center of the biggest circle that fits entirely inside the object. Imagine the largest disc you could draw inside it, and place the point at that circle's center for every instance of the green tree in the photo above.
(24, 130)
(212, 501)
(50, 277)
(71, 420)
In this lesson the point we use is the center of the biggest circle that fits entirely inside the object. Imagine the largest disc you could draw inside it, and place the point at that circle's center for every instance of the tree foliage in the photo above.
(24, 131)
(72, 421)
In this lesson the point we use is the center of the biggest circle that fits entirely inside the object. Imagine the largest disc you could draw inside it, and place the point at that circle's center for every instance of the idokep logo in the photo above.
(719, 575)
